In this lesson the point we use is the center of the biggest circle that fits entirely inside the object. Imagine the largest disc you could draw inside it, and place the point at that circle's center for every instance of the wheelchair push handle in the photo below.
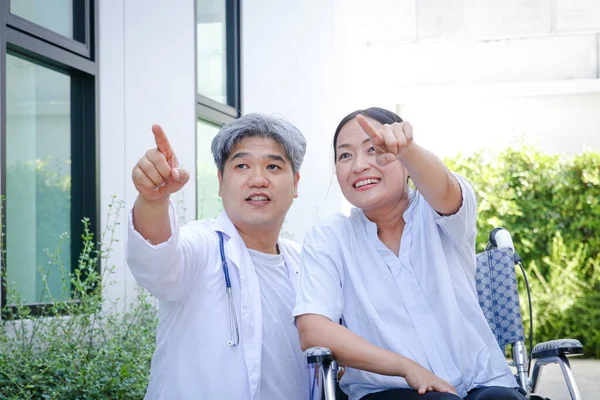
(500, 238)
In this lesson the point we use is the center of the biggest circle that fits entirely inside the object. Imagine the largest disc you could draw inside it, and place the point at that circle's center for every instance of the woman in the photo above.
(399, 272)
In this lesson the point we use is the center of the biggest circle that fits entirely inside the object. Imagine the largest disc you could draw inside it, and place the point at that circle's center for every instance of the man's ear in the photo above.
(296, 180)
(220, 178)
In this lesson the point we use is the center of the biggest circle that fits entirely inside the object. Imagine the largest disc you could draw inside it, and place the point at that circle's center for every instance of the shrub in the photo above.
(92, 349)
(551, 206)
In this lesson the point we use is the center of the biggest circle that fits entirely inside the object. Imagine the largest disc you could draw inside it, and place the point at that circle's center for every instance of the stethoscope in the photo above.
(233, 325)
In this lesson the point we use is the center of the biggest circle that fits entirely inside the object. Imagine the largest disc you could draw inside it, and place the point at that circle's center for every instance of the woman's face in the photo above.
(365, 184)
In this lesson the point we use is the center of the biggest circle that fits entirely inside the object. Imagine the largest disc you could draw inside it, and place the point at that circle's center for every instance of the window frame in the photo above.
(82, 29)
(206, 108)
(41, 46)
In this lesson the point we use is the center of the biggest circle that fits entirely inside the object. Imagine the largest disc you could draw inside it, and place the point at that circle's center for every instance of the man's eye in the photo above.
(241, 166)
(273, 167)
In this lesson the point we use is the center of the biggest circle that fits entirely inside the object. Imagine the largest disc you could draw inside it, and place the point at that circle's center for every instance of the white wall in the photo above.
(560, 123)
(478, 72)
(290, 66)
(146, 76)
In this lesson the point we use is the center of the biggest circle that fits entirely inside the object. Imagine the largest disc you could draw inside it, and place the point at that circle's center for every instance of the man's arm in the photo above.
(159, 269)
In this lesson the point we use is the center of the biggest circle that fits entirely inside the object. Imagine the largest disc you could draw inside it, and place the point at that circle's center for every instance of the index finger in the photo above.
(366, 126)
(162, 143)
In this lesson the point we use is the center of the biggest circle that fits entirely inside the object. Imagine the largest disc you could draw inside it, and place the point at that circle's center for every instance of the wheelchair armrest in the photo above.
(554, 348)
(323, 357)
(317, 355)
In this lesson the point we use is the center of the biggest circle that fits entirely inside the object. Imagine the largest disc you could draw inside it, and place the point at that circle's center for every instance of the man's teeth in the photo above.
(366, 182)
(258, 198)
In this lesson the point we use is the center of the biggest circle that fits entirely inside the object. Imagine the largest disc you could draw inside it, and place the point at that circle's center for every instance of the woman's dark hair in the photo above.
(380, 115)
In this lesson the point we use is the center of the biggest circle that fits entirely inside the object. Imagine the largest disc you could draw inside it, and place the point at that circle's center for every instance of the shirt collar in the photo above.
(224, 224)
(371, 227)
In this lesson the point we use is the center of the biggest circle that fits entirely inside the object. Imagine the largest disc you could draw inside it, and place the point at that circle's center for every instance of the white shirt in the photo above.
(192, 359)
(281, 349)
(422, 304)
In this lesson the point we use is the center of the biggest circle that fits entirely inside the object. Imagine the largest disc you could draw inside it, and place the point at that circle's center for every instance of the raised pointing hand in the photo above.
(157, 174)
(390, 142)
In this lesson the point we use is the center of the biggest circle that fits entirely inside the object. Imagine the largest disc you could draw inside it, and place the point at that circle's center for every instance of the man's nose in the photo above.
(258, 179)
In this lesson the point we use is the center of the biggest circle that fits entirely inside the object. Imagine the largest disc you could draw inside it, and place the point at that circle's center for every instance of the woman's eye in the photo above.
(371, 149)
(344, 155)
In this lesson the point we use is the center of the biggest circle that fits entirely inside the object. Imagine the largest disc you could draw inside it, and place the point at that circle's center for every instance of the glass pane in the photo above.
(38, 179)
(55, 15)
(211, 49)
(208, 201)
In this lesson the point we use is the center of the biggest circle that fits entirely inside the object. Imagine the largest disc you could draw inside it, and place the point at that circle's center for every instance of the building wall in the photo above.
(147, 76)
(446, 64)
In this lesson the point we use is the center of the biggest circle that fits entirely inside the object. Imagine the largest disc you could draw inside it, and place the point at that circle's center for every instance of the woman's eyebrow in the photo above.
(343, 145)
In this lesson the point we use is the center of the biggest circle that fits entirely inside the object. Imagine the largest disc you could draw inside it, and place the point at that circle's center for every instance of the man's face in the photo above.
(258, 184)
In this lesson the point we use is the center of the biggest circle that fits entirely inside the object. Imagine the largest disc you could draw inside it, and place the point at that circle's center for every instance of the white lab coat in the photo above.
(192, 359)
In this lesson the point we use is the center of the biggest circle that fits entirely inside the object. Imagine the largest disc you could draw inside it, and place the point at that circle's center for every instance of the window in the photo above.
(218, 90)
(217, 55)
(48, 76)
(56, 15)
(211, 50)
(65, 23)
(209, 203)
(38, 173)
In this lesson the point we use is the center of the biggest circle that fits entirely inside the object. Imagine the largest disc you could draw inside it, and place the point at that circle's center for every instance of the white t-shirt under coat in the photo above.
(283, 352)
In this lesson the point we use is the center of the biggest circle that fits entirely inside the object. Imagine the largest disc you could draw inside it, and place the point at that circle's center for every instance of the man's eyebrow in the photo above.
(275, 157)
(241, 154)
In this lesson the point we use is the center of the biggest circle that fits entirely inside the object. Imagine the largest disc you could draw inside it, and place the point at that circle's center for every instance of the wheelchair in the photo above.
(496, 284)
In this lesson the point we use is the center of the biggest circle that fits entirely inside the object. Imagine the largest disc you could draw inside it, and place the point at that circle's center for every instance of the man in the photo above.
(226, 287)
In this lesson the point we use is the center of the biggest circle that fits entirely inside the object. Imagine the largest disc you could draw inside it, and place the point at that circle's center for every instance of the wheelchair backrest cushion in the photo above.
(496, 284)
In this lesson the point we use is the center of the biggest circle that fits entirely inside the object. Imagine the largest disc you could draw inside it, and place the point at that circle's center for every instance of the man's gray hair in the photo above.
(263, 126)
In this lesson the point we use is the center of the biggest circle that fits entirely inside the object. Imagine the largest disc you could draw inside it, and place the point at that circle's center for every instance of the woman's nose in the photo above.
(361, 164)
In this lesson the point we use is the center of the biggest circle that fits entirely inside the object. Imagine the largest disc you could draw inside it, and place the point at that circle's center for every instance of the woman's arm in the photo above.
(433, 179)
(348, 348)
(353, 351)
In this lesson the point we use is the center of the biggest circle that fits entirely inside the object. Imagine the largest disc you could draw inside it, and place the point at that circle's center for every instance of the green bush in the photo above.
(551, 206)
(95, 350)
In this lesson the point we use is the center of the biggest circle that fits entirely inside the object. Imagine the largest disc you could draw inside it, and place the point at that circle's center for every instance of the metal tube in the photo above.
(328, 378)
(519, 353)
(565, 367)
